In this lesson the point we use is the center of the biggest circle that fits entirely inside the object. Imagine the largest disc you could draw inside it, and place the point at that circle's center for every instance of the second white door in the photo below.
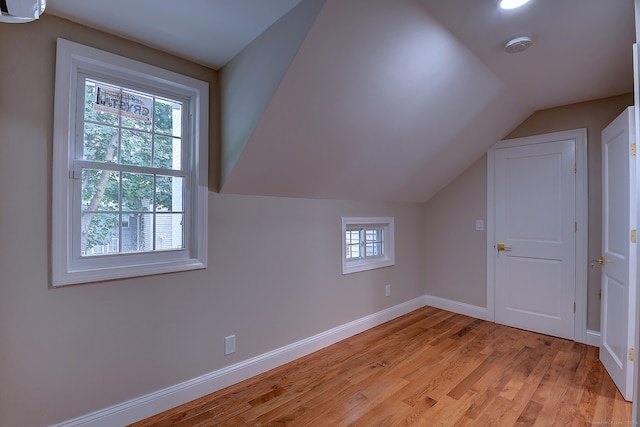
(617, 328)
(535, 274)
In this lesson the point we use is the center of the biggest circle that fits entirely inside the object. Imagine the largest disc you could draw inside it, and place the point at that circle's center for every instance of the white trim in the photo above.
(491, 265)
(592, 338)
(580, 137)
(582, 239)
(457, 307)
(635, 415)
(153, 403)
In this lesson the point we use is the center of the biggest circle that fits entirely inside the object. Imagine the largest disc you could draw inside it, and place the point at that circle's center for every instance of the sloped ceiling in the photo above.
(376, 93)
(387, 99)
(208, 32)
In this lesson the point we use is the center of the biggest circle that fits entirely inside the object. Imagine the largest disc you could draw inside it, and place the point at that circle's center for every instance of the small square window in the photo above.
(367, 243)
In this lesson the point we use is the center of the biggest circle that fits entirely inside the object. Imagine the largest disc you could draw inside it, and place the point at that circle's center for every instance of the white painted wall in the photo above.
(274, 274)
(250, 79)
(456, 252)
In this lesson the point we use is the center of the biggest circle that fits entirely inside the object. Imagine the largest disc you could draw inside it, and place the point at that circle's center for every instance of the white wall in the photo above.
(274, 274)
(456, 253)
(249, 80)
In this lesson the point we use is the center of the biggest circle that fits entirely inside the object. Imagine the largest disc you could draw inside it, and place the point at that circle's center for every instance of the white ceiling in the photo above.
(582, 49)
(209, 32)
(388, 99)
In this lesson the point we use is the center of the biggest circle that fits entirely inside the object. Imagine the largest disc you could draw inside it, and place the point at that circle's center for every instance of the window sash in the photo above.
(146, 238)
(363, 243)
(156, 93)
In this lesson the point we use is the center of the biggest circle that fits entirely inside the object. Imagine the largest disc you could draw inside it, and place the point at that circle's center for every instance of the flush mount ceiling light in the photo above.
(518, 44)
(512, 4)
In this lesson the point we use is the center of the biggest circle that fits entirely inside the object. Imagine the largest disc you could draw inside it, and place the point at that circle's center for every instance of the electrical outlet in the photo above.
(387, 290)
(229, 344)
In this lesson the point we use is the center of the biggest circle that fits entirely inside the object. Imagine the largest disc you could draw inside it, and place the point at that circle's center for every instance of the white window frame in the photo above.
(67, 266)
(369, 263)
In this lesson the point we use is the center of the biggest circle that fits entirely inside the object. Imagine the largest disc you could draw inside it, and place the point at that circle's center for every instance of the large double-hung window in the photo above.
(130, 181)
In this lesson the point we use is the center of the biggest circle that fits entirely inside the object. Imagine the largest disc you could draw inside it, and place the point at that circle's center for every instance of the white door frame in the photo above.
(582, 257)
(636, 100)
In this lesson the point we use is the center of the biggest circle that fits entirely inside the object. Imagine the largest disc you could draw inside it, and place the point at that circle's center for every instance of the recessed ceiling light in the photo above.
(512, 4)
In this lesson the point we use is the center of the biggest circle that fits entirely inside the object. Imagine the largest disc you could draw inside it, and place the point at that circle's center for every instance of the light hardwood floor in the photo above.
(427, 368)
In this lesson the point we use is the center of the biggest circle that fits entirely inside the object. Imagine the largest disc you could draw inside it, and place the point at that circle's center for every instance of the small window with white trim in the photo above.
(130, 168)
(367, 243)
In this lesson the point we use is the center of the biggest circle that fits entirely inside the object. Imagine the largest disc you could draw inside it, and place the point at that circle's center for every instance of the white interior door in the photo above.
(619, 252)
(535, 275)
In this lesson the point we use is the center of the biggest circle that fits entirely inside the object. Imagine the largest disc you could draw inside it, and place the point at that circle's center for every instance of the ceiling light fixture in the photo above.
(518, 44)
(512, 4)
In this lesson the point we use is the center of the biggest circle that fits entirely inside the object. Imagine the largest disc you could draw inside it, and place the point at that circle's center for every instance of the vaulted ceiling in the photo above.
(376, 99)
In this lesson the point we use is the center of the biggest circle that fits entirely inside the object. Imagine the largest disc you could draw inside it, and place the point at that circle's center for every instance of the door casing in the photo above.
(580, 138)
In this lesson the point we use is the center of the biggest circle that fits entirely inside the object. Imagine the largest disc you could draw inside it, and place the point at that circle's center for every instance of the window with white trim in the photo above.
(130, 168)
(367, 243)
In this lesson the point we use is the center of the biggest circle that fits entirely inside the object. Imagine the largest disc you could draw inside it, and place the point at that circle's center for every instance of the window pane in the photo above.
(136, 148)
(137, 235)
(130, 108)
(91, 114)
(168, 117)
(137, 191)
(100, 143)
(167, 153)
(99, 190)
(169, 231)
(99, 234)
(136, 109)
(374, 242)
(169, 191)
(353, 244)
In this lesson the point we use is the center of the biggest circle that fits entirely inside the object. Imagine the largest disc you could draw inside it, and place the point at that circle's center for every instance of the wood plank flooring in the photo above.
(427, 368)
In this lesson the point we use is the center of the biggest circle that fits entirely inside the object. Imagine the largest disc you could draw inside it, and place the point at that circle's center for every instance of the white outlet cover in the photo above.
(229, 344)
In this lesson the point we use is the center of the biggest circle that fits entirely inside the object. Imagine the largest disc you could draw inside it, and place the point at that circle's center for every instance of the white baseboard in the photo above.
(145, 406)
(593, 338)
(457, 307)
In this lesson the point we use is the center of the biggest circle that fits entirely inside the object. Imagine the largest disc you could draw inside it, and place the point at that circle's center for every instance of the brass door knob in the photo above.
(502, 247)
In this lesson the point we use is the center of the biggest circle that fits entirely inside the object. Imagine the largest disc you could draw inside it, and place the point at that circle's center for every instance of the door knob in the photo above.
(502, 247)
(602, 260)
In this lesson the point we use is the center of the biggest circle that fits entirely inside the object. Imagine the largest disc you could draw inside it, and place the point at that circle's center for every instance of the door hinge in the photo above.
(575, 168)
(575, 226)
(632, 354)
(634, 236)
(633, 149)
(574, 307)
